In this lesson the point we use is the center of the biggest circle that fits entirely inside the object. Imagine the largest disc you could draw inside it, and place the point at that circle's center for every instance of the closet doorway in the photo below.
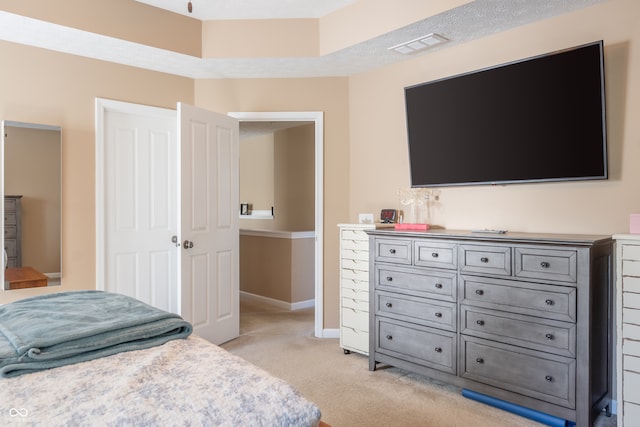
(291, 119)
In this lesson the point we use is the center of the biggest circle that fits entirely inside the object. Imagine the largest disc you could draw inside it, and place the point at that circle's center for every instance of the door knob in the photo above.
(187, 244)
(175, 241)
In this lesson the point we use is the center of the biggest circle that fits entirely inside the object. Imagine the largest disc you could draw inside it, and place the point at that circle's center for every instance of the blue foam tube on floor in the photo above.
(538, 416)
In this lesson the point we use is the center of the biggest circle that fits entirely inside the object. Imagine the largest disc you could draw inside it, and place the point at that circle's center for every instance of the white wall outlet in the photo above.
(365, 218)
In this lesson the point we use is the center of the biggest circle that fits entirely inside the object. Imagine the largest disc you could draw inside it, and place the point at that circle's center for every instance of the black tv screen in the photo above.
(538, 119)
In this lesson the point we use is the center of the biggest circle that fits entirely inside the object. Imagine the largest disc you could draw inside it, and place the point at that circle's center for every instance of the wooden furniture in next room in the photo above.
(23, 277)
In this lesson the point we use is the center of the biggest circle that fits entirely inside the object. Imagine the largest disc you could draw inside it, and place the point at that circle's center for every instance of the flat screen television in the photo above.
(535, 120)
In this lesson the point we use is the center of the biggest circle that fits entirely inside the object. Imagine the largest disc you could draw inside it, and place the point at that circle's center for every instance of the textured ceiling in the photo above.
(471, 21)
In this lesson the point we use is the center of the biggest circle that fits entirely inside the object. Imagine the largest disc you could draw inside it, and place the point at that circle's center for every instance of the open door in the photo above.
(209, 187)
(167, 211)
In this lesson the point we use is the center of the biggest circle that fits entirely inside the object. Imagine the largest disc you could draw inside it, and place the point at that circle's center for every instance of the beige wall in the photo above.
(41, 86)
(378, 147)
(295, 179)
(365, 137)
(257, 176)
(277, 267)
(278, 170)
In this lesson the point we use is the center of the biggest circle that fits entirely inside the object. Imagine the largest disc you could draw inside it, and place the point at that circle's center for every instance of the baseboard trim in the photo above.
(331, 333)
(290, 306)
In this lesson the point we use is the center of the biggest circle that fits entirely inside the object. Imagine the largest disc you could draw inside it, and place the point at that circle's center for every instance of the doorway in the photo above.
(296, 118)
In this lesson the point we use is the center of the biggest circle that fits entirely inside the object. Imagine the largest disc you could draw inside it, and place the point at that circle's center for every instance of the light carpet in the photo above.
(347, 393)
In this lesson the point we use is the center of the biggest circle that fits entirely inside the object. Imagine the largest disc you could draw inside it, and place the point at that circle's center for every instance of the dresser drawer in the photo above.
(547, 264)
(11, 245)
(434, 254)
(531, 332)
(354, 340)
(360, 275)
(356, 235)
(417, 344)
(547, 301)
(357, 286)
(630, 268)
(10, 231)
(417, 310)
(485, 259)
(356, 265)
(355, 319)
(355, 245)
(535, 374)
(360, 304)
(10, 218)
(355, 254)
(397, 251)
(10, 204)
(425, 283)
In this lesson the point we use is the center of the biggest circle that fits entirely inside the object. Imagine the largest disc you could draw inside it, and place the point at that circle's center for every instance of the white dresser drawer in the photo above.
(630, 268)
(631, 252)
(360, 285)
(356, 304)
(348, 234)
(357, 265)
(354, 340)
(356, 294)
(631, 300)
(355, 245)
(631, 387)
(355, 275)
(355, 254)
(355, 319)
(631, 284)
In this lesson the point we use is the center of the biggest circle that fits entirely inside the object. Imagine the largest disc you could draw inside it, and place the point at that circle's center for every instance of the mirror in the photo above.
(31, 174)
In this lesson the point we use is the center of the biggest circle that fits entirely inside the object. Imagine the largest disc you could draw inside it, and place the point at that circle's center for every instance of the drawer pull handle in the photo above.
(438, 350)
(484, 259)
(392, 251)
(435, 254)
(549, 336)
(438, 285)
(438, 314)
(389, 279)
(479, 360)
(389, 337)
(389, 305)
(480, 322)
(549, 378)
(479, 292)
(545, 264)
(549, 302)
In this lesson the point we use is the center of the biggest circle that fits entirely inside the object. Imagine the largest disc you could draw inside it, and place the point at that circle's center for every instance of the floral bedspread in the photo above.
(185, 382)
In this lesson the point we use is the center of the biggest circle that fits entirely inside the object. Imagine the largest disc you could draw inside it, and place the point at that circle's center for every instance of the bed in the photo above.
(165, 378)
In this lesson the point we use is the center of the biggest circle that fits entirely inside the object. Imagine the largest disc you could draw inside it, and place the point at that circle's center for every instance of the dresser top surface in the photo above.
(507, 237)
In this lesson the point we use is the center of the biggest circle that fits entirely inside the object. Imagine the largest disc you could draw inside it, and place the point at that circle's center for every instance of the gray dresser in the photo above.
(13, 230)
(521, 317)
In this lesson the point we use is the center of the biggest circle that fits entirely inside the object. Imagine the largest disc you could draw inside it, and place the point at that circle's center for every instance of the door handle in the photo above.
(175, 241)
(187, 244)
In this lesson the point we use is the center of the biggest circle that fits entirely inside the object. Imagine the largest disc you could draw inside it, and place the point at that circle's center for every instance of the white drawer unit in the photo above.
(354, 287)
(628, 329)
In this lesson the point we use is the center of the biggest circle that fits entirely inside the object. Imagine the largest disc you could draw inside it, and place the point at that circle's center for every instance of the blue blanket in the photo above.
(59, 329)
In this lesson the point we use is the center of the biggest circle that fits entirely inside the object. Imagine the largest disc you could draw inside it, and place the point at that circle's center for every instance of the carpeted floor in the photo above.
(347, 393)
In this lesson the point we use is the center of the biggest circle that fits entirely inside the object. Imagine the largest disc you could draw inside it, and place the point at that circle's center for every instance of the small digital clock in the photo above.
(387, 216)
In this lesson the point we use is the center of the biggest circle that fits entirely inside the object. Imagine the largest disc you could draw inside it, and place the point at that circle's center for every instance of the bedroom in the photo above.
(365, 147)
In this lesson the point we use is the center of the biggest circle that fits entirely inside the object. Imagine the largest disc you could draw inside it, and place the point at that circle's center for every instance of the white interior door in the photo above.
(209, 289)
(158, 178)
(140, 212)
